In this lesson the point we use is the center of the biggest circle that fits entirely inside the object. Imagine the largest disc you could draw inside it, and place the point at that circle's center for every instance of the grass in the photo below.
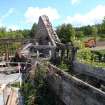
(63, 67)
(98, 37)
(94, 64)
(16, 84)
(86, 38)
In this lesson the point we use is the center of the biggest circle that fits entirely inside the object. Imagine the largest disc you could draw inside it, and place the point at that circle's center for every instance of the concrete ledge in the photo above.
(73, 91)
(88, 70)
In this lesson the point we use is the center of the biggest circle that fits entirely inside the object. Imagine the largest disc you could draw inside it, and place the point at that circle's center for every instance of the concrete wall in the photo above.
(73, 91)
(88, 70)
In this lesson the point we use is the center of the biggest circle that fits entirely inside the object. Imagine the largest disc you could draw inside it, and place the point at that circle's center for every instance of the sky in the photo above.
(21, 14)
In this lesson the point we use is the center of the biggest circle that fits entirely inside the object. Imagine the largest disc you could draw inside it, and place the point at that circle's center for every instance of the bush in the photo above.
(84, 54)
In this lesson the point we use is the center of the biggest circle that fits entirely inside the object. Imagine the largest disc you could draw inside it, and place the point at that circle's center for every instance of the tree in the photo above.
(66, 32)
(33, 30)
(79, 34)
(103, 22)
(94, 31)
(88, 31)
(26, 33)
(103, 26)
(2, 31)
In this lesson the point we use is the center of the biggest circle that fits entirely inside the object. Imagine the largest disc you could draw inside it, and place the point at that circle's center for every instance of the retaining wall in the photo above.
(88, 70)
(73, 91)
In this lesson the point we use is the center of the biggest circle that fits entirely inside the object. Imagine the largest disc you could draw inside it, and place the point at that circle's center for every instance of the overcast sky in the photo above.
(21, 14)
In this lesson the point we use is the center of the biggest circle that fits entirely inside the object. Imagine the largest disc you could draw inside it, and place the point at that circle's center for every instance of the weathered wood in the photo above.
(39, 47)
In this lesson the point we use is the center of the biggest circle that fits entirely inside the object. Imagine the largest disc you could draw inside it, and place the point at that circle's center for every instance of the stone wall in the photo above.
(45, 33)
(88, 70)
(42, 34)
(73, 91)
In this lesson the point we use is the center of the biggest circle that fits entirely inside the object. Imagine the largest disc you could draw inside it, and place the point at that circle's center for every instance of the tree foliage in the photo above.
(65, 32)
(94, 30)
(33, 30)
(79, 34)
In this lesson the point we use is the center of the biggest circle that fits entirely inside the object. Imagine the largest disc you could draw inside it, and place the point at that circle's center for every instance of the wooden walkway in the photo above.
(12, 98)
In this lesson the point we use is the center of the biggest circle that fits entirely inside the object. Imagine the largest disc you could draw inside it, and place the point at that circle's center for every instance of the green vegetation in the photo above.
(63, 66)
(94, 58)
(66, 33)
(84, 54)
(16, 84)
(33, 30)
(94, 64)
(26, 33)
(78, 35)
(11, 47)
(36, 92)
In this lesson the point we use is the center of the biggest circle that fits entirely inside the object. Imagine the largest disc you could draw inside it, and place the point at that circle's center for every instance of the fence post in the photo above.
(37, 50)
(19, 67)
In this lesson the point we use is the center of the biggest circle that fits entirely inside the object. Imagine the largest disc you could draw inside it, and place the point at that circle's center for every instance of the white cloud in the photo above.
(94, 16)
(32, 14)
(74, 1)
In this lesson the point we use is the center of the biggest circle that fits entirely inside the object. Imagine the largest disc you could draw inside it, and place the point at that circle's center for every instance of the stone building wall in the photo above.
(42, 34)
